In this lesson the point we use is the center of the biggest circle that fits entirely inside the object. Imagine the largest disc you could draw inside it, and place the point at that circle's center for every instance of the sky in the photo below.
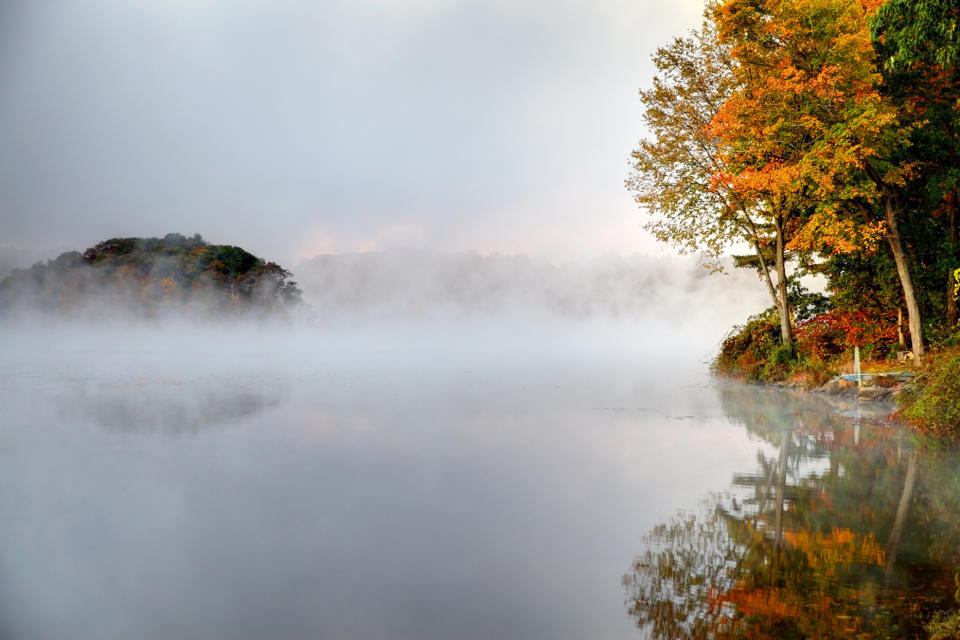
(295, 128)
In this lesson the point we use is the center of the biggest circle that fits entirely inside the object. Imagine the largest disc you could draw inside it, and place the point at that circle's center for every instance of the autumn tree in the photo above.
(675, 167)
(810, 113)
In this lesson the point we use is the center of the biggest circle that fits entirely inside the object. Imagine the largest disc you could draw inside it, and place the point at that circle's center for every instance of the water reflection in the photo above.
(172, 407)
(843, 529)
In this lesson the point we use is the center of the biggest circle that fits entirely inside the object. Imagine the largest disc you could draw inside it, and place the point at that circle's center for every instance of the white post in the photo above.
(856, 366)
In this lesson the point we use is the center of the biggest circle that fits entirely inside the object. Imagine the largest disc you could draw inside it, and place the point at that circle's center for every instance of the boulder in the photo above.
(874, 393)
(837, 386)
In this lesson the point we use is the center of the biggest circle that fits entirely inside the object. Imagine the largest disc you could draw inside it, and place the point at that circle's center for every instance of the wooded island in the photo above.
(150, 276)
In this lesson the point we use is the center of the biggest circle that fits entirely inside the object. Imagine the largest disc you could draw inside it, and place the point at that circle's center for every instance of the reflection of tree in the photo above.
(826, 539)
(805, 589)
(172, 407)
(897, 532)
(671, 591)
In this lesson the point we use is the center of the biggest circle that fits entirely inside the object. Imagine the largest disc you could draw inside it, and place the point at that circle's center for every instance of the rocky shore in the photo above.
(874, 387)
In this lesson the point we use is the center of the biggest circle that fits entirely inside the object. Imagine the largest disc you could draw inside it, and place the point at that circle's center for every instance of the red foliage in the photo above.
(831, 333)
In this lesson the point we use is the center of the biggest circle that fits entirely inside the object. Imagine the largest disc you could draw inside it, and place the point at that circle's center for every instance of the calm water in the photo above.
(425, 485)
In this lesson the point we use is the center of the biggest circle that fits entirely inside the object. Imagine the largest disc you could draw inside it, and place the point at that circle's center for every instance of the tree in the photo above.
(808, 126)
(675, 170)
(918, 42)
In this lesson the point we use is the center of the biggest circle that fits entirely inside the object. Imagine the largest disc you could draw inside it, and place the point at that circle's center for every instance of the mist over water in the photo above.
(442, 472)
(433, 445)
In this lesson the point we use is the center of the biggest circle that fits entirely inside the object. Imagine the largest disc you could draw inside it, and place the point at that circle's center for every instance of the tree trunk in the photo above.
(951, 297)
(786, 332)
(900, 338)
(900, 258)
(751, 230)
(766, 274)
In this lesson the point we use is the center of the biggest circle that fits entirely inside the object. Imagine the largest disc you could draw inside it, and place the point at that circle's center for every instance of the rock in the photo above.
(836, 386)
(874, 393)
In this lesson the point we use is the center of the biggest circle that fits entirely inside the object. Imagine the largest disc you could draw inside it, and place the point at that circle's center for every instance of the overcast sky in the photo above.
(294, 128)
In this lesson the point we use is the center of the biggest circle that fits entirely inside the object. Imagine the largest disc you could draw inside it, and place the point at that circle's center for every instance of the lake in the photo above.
(481, 482)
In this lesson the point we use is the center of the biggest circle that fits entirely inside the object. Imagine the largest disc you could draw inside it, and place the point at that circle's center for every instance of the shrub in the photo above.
(830, 334)
(812, 372)
(933, 406)
(746, 349)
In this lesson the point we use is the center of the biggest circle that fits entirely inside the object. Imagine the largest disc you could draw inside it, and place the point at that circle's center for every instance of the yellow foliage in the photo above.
(826, 230)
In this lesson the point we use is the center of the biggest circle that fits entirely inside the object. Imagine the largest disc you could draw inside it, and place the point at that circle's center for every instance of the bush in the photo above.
(779, 363)
(812, 372)
(933, 406)
(746, 350)
(830, 334)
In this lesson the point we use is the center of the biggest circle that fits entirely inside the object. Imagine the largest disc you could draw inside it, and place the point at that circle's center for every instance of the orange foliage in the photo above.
(808, 124)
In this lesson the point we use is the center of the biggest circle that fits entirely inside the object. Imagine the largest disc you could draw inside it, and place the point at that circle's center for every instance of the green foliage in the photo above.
(911, 31)
(806, 304)
(779, 361)
(933, 406)
(810, 371)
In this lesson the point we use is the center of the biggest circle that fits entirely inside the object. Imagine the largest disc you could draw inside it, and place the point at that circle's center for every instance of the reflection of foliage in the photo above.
(671, 592)
(946, 626)
(807, 590)
(869, 546)
(840, 546)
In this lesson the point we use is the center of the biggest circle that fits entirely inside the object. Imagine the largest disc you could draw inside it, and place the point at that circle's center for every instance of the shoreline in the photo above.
(870, 402)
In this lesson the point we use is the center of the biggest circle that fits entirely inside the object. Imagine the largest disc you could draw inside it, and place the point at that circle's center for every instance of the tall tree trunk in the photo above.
(786, 332)
(951, 296)
(900, 258)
